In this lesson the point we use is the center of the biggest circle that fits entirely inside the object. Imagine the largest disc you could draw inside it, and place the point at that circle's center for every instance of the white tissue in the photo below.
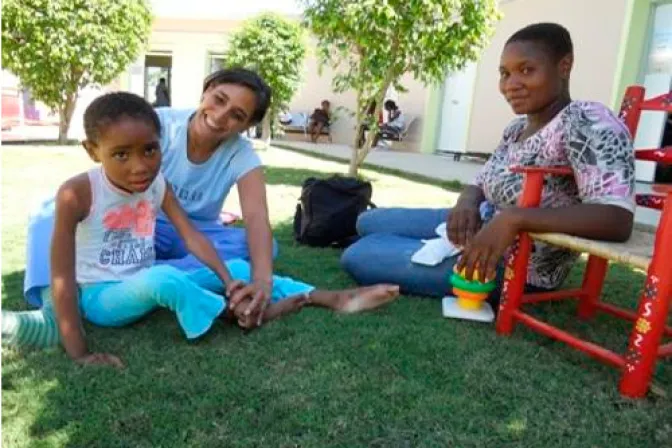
(436, 250)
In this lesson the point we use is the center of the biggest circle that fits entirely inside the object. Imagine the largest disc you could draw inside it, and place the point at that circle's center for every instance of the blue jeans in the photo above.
(390, 237)
(229, 242)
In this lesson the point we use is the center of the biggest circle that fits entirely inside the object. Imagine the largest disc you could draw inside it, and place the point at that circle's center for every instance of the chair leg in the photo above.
(654, 305)
(647, 334)
(515, 277)
(593, 280)
(517, 259)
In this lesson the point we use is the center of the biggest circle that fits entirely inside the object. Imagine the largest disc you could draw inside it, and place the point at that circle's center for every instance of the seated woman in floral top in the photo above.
(553, 130)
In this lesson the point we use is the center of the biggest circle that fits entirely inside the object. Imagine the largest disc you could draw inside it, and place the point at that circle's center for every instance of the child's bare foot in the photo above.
(366, 298)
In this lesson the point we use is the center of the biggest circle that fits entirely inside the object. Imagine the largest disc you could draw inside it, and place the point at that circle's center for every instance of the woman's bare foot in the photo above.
(273, 311)
(283, 307)
(366, 298)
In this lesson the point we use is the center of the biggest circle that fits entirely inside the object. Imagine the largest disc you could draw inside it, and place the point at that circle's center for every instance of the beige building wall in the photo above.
(595, 26)
(190, 43)
(316, 86)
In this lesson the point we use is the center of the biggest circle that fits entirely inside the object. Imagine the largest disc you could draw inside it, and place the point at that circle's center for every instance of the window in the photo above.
(660, 47)
(654, 128)
(217, 62)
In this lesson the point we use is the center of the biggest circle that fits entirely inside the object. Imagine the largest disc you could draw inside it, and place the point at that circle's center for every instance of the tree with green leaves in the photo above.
(58, 47)
(274, 47)
(372, 43)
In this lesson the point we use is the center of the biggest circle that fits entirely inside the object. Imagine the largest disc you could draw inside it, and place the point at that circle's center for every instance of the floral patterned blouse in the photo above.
(590, 139)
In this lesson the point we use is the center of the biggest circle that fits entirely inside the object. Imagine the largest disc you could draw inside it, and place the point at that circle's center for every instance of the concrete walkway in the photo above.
(432, 166)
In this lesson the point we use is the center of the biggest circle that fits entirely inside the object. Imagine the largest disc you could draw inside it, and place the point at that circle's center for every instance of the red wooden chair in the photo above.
(652, 254)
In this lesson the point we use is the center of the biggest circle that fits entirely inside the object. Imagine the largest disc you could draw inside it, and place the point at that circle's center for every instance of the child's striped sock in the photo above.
(30, 328)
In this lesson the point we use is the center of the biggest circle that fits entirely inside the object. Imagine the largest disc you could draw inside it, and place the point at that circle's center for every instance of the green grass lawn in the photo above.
(400, 377)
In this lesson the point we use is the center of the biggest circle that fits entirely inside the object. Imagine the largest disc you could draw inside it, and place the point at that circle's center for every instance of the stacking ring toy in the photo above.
(469, 297)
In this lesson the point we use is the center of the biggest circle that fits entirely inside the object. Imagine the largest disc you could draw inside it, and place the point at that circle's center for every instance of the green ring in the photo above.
(472, 286)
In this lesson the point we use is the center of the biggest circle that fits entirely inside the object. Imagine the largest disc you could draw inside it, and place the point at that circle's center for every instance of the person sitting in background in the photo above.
(395, 123)
(319, 120)
(162, 94)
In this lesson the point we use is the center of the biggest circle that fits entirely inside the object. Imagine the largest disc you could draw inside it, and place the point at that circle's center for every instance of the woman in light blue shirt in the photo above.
(204, 155)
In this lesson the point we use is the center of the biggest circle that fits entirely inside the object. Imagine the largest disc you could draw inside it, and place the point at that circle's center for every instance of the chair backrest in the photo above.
(634, 104)
(410, 119)
(631, 111)
(299, 118)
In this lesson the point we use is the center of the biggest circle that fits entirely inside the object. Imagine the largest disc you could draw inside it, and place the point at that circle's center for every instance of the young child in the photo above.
(102, 252)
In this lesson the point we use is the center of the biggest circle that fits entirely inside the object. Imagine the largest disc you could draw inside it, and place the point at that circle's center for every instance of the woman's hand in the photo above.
(464, 220)
(487, 247)
(260, 294)
(100, 359)
(233, 286)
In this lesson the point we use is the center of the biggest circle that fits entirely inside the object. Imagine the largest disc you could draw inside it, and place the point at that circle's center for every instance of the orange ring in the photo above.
(468, 295)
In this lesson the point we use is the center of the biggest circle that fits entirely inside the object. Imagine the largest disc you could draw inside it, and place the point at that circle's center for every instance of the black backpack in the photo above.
(328, 209)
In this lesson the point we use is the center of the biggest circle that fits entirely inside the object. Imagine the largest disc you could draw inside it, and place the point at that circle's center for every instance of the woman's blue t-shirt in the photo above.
(201, 188)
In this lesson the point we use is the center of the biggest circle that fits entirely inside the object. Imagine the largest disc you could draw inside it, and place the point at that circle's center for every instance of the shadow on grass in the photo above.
(402, 376)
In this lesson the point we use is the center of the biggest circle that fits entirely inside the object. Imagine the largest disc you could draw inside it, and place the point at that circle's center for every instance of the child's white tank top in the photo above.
(116, 239)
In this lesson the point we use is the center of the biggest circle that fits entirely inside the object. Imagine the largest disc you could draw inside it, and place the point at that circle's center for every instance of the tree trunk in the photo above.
(354, 166)
(356, 148)
(65, 112)
(359, 153)
(63, 126)
(266, 130)
(359, 127)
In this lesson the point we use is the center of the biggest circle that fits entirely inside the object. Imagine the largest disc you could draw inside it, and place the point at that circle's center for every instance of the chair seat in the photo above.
(662, 188)
(636, 252)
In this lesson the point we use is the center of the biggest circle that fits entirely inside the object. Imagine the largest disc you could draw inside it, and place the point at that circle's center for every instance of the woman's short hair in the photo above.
(246, 78)
(554, 37)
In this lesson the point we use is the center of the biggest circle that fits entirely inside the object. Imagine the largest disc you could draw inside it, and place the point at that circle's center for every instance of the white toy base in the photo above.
(452, 309)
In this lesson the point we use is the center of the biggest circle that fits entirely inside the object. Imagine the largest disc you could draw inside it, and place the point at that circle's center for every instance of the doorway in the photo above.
(458, 91)
(157, 66)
